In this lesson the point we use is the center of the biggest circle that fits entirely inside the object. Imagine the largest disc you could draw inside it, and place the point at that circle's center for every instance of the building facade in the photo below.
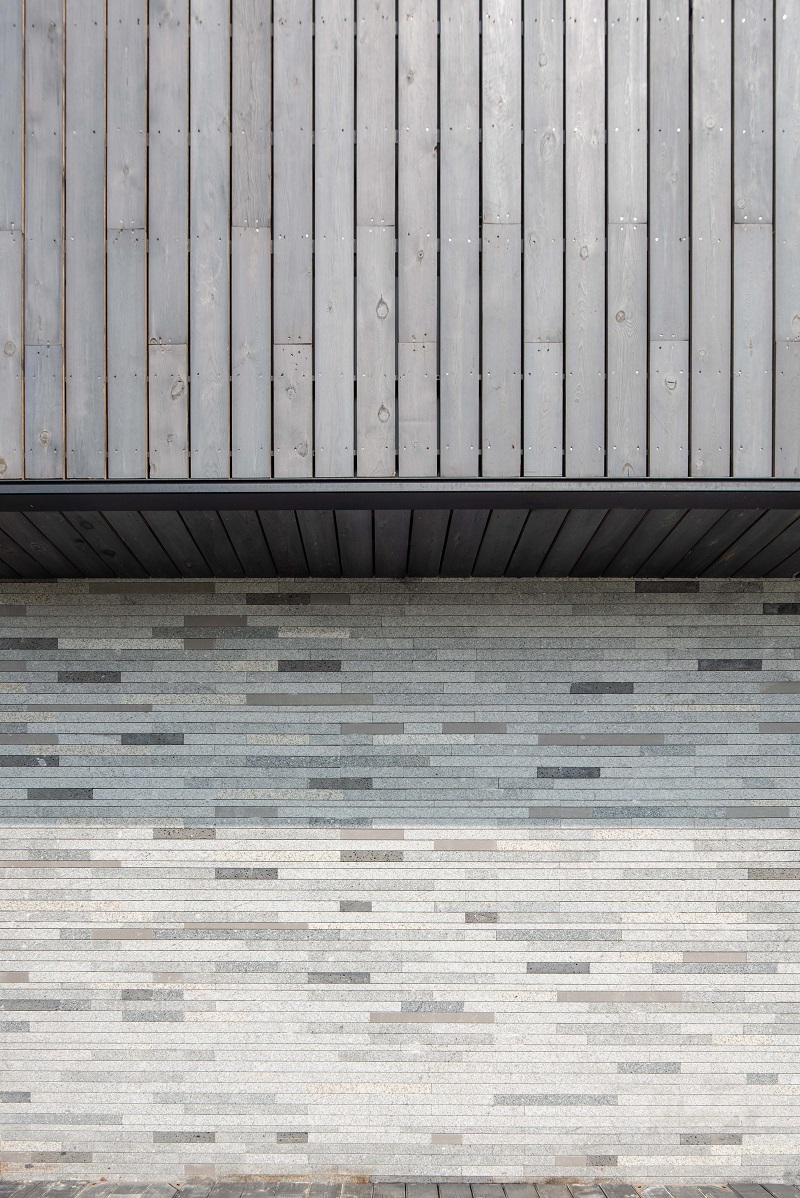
(399, 543)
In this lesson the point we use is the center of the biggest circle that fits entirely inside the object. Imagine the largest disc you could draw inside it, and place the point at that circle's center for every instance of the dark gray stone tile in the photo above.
(666, 586)
(728, 665)
(340, 784)
(774, 873)
(83, 677)
(568, 771)
(38, 643)
(151, 738)
(711, 1137)
(601, 688)
(291, 1137)
(317, 665)
(249, 873)
(60, 794)
(354, 905)
(370, 855)
(28, 761)
(184, 1137)
(184, 833)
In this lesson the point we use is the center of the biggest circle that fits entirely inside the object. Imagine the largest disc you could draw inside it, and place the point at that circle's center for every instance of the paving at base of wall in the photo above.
(431, 880)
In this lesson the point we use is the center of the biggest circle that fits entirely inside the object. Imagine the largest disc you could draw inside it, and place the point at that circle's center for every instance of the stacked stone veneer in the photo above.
(481, 879)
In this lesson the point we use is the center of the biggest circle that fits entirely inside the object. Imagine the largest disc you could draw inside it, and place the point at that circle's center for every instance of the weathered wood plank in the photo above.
(585, 237)
(375, 216)
(753, 97)
(44, 393)
(501, 301)
(126, 348)
(11, 115)
(251, 115)
(106, 544)
(627, 350)
(71, 542)
(334, 215)
(85, 226)
(683, 537)
(168, 172)
(417, 284)
(375, 337)
(131, 528)
(251, 353)
(417, 444)
(375, 113)
(209, 208)
(627, 112)
(669, 409)
(501, 161)
(771, 525)
(787, 173)
(168, 411)
(44, 241)
(752, 350)
(668, 93)
(787, 409)
(459, 224)
(711, 238)
(293, 428)
(720, 537)
(649, 532)
(292, 173)
(544, 409)
(126, 115)
(17, 527)
(617, 526)
(11, 456)
(543, 179)
(464, 537)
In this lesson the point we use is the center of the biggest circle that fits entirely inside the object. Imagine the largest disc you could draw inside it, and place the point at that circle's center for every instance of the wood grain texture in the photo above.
(544, 172)
(44, 238)
(501, 300)
(375, 113)
(627, 111)
(669, 409)
(44, 394)
(11, 454)
(251, 115)
(584, 384)
(251, 214)
(417, 228)
(417, 443)
(460, 232)
(668, 218)
(787, 409)
(334, 214)
(126, 116)
(292, 172)
(168, 172)
(251, 353)
(627, 351)
(85, 227)
(544, 410)
(711, 239)
(501, 160)
(787, 173)
(11, 115)
(209, 259)
(291, 401)
(752, 350)
(168, 411)
(375, 353)
(753, 100)
(126, 350)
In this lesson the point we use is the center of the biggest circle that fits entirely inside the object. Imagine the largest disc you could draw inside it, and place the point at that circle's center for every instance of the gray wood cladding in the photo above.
(412, 238)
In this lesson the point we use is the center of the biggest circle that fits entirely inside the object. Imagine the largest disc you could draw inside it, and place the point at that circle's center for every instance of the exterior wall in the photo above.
(315, 238)
(402, 879)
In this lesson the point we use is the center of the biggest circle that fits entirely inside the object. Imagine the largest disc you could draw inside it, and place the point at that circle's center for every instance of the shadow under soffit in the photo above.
(680, 530)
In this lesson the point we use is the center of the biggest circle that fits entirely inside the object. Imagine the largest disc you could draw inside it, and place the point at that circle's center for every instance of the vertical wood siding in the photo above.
(411, 238)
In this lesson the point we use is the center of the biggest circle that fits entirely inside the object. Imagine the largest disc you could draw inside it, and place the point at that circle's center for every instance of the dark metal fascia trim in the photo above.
(381, 494)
